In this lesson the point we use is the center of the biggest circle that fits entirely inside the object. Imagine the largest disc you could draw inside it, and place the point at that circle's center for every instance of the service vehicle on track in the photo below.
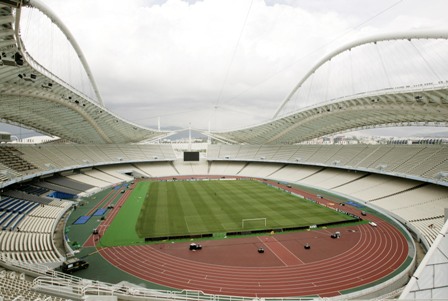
(74, 264)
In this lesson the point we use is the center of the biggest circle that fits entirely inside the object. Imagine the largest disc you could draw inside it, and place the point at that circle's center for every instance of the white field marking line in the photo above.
(272, 251)
(288, 250)
(186, 223)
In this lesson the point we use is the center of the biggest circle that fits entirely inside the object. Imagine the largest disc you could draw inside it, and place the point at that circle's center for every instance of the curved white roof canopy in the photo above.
(411, 104)
(33, 99)
(61, 111)
(55, 19)
(387, 108)
(409, 35)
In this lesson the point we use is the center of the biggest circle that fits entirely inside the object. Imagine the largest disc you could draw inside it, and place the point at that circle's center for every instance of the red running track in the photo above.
(363, 255)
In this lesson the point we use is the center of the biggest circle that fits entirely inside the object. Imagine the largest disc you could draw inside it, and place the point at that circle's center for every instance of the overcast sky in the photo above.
(230, 62)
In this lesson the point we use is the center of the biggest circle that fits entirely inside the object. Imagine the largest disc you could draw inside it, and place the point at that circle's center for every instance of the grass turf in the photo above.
(122, 229)
(169, 209)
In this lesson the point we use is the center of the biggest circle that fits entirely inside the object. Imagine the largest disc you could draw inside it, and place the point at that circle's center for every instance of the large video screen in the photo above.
(191, 156)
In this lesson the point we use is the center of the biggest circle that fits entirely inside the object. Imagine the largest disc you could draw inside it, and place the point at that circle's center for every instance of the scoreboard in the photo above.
(191, 156)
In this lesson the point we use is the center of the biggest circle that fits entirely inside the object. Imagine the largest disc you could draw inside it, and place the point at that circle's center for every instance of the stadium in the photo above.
(108, 210)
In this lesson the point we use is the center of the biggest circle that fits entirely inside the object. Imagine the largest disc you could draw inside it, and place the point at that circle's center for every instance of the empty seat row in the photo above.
(27, 247)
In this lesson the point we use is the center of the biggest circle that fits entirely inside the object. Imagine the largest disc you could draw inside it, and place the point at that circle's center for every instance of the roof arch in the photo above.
(409, 35)
(58, 22)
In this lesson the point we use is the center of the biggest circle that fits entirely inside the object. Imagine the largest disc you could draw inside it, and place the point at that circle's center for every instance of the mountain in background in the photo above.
(184, 135)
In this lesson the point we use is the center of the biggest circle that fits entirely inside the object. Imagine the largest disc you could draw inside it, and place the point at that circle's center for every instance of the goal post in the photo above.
(253, 222)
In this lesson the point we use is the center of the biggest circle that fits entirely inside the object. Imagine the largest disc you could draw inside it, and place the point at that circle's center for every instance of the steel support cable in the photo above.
(426, 62)
(47, 11)
(218, 100)
(352, 84)
(382, 64)
(357, 43)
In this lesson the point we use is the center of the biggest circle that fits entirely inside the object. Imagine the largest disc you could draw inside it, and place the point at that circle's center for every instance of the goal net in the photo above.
(253, 223)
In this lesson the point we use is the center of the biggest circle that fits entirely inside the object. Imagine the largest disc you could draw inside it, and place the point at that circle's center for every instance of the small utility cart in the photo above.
(74, 264)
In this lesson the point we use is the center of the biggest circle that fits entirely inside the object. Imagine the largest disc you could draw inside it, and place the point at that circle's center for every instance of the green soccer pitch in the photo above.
(184, 208)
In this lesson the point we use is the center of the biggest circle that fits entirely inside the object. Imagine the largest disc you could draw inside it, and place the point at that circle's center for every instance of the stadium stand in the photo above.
(386, 159)
(69, 183)
(347, 155)
(46, 157)
(260, 170)
(156, 169)
(425, 196)
(429, 227)
(422, 207)
(329, 178)
(3, 177)
(296, 173)
(18, 286)
(30, 189)
(119, 172)
(304, 153)
(102, 176)
(26, 196)
(83, 178)
(30, 234)
(379, 189)
(191, 168)
(396, 160)
(248, 151)
(225, 168)
(56, 187)
(374, 186)
(11, 157)
(33, 244)
(283, 153)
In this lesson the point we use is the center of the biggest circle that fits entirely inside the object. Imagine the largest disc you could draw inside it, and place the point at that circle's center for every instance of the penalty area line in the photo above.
(186, 223)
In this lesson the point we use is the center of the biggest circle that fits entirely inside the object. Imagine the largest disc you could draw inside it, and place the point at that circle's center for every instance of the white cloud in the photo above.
(179, 59)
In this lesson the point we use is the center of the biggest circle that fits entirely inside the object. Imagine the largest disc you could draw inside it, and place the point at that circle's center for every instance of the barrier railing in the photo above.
(79, 288)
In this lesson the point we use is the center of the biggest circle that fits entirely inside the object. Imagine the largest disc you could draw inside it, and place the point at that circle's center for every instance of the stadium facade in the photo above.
(406, 182)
